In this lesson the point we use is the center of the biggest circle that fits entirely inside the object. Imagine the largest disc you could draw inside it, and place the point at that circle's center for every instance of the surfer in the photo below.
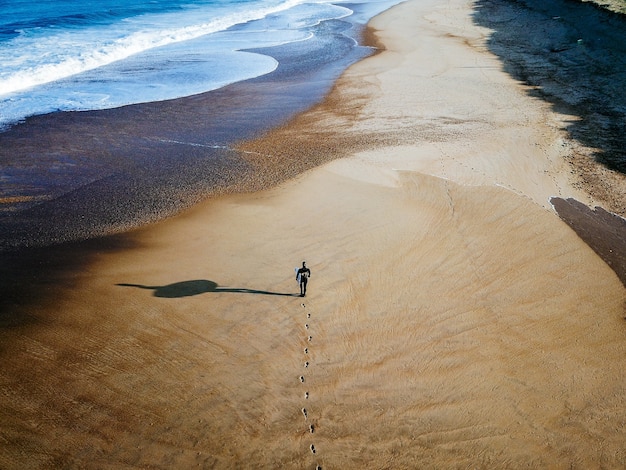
(302, 276)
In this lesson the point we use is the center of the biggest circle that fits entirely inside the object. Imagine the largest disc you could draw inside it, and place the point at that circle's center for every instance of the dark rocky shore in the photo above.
(572, 55)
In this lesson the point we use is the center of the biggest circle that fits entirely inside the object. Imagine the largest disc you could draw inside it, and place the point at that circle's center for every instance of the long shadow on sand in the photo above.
(197, 287)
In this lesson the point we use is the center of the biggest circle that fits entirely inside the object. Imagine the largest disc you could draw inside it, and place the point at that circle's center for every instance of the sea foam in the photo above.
(105, 60)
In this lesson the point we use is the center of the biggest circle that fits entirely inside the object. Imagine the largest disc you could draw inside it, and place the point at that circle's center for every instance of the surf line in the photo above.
(194, 144)
(218, 147)
(210, 146)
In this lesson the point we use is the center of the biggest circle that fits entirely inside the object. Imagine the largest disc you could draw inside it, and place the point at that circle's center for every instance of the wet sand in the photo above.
(453, 319)
(77, 175)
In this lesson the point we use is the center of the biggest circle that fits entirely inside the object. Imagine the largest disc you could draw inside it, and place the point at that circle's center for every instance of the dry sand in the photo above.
(453, 320)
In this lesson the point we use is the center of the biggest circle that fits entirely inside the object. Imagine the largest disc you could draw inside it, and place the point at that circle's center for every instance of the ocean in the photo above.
(118, 113)
(69, 55)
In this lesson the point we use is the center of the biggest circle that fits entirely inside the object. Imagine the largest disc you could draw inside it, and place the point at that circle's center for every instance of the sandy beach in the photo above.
(453, 319)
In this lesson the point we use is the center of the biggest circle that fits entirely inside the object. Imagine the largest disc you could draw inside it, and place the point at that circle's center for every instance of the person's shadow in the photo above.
(197, 287)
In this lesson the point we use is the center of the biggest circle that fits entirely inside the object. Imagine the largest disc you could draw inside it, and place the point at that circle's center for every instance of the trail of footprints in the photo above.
(302, 380)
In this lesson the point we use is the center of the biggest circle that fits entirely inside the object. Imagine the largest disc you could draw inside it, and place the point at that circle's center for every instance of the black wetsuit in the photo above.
(304, 274)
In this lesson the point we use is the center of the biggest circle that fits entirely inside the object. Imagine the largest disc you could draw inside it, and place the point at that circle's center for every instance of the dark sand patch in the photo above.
(603, 231)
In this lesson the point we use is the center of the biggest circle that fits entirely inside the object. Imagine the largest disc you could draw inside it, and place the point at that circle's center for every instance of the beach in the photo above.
(452, 318)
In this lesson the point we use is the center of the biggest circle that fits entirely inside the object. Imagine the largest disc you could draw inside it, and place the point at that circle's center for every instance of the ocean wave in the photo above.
(44, 57)
(128, 53)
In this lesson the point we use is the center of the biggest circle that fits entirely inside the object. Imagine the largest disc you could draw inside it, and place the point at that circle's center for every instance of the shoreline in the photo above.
(109, 171)
(452, 320)
(235, 172)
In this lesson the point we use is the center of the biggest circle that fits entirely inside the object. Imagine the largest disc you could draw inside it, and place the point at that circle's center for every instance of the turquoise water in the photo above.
(82, 55)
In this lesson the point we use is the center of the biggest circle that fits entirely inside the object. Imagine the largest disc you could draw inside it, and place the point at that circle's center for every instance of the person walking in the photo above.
(302, 276)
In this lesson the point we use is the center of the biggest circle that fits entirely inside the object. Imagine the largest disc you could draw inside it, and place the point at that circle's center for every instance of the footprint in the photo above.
(312, 448)
(311, 428)
(306, 395)
(317, 467)
(304, 412)
(308, 315)
(301, 378)
(306, 325)
(306, 364)
(306, 350)
(310, 338)
(303, 306)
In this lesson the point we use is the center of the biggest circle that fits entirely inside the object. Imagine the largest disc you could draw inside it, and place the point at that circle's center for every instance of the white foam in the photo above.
(68, 53)
(153, 57)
